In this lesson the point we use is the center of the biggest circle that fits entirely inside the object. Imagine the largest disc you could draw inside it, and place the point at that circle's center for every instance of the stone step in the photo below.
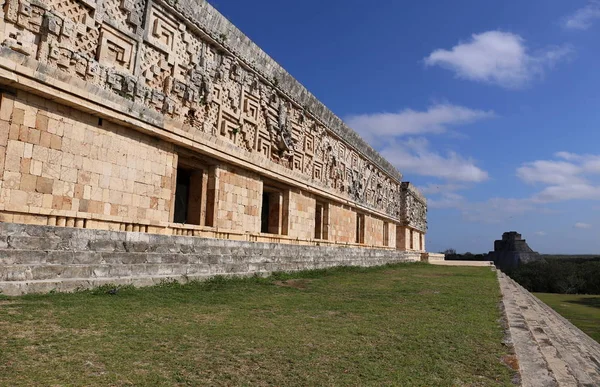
(19, 288)
(551, 350)
(43, 253)
(118, 269)
(40, 257)
(573, 356)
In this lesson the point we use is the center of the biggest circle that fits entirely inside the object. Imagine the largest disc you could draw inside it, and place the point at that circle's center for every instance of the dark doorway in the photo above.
(386, 234)
(264, 216)
(322, 221)
(271, 216)
(190, 201)
(182, 195)
(360, 228)
(319, 221)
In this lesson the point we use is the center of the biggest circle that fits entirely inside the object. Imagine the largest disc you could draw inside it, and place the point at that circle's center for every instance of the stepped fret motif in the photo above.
(158, 61)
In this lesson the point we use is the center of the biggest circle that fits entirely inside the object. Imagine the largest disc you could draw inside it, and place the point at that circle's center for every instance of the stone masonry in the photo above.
(42, 259)
(550, 350)
(511, 251)
(161, 117)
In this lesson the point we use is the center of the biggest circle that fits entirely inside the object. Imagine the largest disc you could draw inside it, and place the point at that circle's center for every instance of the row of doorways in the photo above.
(195, 205)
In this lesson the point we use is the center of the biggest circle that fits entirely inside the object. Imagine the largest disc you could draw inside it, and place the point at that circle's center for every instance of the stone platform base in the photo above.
(551, 351)
(464, 263)
(39, 259)
(432, 257)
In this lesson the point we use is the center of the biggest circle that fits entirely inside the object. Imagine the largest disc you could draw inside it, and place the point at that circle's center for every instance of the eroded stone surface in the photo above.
(511, 251)
(106, 104)
(199, 73)
(93, 257)
(551, 351)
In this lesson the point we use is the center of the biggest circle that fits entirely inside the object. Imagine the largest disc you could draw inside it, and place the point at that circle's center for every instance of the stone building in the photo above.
(161, 117)
(511, 251)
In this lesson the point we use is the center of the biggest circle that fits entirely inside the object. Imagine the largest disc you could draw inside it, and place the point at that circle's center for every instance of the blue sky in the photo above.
(490, 107)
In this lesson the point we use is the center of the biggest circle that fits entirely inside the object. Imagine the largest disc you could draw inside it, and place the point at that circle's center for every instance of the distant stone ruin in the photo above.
(511, 251)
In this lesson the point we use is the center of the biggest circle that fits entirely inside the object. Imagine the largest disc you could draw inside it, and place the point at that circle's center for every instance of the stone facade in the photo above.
(161, 117)
(511, 251)
(36, 259)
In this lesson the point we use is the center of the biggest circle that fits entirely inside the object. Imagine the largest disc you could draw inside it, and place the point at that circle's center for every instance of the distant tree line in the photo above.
(556, 274)
(452, 255)
(563, 274)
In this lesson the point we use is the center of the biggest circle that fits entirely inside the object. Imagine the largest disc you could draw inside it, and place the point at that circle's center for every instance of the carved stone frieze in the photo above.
(413, 207)
(153, 57)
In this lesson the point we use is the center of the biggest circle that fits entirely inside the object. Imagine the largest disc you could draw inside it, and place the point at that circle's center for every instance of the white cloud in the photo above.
(493, 210)
(540, 233)
(583, 18)
(558, 193)
(570, 178)
(414, 155)
(496, 57)
(550, 172)
(436, 119)
(582, 226)
(496, 210)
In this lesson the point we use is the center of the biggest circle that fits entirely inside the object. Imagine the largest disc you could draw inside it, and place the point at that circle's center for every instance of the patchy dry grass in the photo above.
(409, 325)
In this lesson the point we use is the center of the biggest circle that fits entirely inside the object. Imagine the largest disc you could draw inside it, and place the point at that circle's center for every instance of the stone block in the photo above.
(22, 257)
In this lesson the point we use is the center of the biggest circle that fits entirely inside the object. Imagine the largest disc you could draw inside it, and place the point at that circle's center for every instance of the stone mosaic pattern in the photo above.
(413, 208)
(203, 74)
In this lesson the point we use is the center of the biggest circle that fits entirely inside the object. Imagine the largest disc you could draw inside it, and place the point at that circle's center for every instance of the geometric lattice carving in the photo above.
(116, 49)
(158, 61)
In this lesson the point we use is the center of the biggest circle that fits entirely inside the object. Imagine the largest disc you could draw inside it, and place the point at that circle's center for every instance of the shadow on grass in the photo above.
(593, 302)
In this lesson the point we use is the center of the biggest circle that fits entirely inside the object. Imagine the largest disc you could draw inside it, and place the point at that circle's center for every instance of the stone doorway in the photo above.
(360, 228)
(322, 221)
(192, 203)
(271, 212)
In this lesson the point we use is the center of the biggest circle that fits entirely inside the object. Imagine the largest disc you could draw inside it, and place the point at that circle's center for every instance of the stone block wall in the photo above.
(239, 200)
(65, 167)
(114, 114)
(392, 235)
(342, 224)
(301, 215)
(63, 162)
(373, 231)
(41, 259)
(404, 235)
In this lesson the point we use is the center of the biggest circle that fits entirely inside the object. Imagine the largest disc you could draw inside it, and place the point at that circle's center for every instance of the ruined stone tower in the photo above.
(511, 251)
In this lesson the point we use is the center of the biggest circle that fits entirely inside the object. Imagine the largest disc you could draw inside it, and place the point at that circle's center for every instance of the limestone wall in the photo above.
(410, 239)
(301, 215)
(342, 227)
(125, 93)
(193, 74)
(373, 231)
(62, 162)
(42, 259)
(239, 200)
(392, 235)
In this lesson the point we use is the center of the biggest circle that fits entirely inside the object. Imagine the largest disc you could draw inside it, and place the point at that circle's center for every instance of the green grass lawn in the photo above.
(582, 311)
(403, 325)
